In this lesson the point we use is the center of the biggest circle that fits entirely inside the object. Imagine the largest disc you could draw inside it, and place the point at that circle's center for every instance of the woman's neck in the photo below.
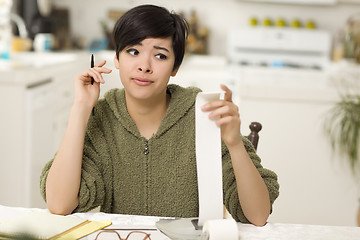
(146, 114)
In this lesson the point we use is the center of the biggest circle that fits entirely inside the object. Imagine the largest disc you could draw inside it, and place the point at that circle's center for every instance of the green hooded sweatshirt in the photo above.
(127, 174)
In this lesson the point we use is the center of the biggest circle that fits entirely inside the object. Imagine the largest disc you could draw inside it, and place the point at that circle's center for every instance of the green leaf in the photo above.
(342, 125)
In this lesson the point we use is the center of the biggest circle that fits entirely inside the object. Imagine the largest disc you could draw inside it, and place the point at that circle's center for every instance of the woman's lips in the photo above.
(142, 82)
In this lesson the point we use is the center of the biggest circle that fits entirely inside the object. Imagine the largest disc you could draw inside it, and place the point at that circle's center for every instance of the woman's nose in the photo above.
(144, 69)
(145, 66)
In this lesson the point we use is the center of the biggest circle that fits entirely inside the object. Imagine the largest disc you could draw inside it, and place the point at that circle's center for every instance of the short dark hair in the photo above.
(151, 21)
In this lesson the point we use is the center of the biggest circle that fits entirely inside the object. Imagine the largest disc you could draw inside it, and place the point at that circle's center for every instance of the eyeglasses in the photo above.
(134, 235)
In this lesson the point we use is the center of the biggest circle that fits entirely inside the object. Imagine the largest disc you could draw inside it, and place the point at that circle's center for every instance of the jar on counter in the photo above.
(44, 42)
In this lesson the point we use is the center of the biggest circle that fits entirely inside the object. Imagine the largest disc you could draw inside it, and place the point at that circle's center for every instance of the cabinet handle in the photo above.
(39, 83)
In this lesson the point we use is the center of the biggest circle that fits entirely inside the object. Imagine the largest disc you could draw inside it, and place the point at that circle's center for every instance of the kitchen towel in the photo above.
(208, 161)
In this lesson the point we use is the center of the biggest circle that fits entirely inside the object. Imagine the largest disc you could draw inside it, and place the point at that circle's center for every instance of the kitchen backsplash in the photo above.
(217, 16)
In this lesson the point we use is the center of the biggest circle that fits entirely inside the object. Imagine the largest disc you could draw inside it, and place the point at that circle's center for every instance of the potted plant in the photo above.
(342, 125)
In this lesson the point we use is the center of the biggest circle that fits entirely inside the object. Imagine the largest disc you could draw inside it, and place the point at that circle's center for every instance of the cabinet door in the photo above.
(12, 138)
(40, 111)
(313, 182)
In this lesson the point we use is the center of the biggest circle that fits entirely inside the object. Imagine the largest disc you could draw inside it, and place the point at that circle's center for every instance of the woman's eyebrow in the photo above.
(161, 48)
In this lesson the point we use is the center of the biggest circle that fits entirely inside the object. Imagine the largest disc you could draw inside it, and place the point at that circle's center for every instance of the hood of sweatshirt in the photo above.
(182, 100)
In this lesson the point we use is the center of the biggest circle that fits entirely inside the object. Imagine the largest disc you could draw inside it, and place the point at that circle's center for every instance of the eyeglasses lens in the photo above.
(138, 236)
(111, 234)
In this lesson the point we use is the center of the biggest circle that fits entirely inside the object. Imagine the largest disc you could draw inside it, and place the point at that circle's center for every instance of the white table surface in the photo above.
(271, 231)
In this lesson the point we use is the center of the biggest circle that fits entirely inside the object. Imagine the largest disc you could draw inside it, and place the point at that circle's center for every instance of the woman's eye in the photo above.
(161, 56)
(132, 51)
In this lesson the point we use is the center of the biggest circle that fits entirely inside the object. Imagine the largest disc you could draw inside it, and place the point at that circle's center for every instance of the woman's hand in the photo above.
(226, 115)
(85, 93)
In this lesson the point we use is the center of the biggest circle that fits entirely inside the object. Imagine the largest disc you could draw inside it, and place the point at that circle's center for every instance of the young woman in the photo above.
(136, 154)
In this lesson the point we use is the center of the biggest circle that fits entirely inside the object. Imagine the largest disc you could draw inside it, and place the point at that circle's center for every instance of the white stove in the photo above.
(277, 57)
(279, 47)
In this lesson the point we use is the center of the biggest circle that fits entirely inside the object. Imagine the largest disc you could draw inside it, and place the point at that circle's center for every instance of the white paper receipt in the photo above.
(208, 161)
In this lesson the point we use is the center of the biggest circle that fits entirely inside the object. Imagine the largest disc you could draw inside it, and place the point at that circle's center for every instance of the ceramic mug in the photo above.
(43, 42)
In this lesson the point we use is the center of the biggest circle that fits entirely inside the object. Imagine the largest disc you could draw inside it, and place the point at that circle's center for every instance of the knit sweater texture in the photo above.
(125, 173)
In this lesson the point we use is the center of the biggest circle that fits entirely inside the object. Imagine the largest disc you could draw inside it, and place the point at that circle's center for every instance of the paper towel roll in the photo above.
(220, 229)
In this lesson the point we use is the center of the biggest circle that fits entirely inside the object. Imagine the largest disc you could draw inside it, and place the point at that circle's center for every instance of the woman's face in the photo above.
(145, 68)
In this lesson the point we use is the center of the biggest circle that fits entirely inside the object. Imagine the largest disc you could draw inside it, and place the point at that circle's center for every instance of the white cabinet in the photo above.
(12, 152)
(26, 127)
(35, 102)
(315, 186)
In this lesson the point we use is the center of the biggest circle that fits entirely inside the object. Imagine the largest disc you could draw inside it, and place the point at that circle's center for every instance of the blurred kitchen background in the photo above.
(287, 62)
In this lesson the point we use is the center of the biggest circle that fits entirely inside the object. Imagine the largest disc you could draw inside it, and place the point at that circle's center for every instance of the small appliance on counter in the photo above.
(36, 14)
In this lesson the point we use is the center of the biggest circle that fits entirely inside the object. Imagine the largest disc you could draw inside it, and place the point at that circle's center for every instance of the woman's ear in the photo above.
(116, 62)
(174, 72)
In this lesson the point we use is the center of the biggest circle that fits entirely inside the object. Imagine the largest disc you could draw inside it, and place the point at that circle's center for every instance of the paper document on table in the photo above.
(43, 225)
(208, 160)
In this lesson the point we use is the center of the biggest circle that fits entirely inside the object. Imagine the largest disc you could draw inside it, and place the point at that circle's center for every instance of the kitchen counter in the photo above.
(29, 68)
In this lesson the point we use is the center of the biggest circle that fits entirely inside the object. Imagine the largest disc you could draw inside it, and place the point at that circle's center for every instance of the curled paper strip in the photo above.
(220, 229)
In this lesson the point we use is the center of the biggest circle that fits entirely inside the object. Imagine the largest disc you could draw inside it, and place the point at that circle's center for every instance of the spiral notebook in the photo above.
(44, 225)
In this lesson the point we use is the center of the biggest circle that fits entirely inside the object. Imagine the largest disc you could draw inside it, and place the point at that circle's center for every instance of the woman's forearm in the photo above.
(252, 191)
(63, 181)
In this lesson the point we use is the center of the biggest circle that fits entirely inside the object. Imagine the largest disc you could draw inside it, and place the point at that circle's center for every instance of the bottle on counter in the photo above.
(197, 41)
(338, 47)
(349, 41)
(352, 37)
(5, 29)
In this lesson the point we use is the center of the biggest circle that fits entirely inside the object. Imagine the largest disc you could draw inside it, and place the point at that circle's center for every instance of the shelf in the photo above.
(299, 2)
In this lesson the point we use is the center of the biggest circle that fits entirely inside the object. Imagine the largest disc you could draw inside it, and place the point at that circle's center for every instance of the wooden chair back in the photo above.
(255, 128)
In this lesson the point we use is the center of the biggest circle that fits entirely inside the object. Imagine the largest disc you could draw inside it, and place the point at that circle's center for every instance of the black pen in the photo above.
(92, 79)
(92, 65)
